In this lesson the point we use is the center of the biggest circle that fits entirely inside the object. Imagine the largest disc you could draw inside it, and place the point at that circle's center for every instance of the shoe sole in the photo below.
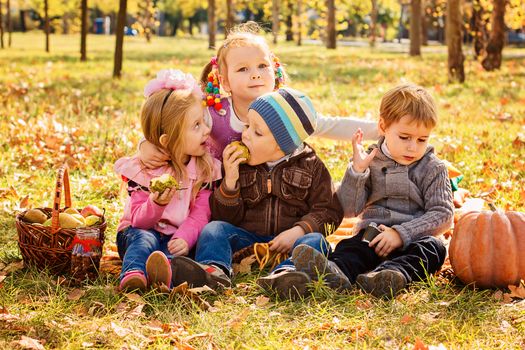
(292, 285)
(158, 269)
(186, 270)
(315, 264)
(382, 284)
(134, 283)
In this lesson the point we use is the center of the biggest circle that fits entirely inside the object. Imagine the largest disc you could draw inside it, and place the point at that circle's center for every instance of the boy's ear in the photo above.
(381, 128)
(225, 84)
(163, 140)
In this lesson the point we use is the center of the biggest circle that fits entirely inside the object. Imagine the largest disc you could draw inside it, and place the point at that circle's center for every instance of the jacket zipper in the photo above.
(270, 206)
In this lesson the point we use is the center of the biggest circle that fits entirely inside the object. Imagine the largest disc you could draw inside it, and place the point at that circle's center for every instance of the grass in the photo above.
(54, 108)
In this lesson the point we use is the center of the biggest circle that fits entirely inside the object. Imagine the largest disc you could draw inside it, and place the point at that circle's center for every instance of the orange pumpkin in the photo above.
(488, 248)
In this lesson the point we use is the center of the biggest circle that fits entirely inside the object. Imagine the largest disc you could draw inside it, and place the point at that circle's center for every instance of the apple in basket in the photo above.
(91, 210)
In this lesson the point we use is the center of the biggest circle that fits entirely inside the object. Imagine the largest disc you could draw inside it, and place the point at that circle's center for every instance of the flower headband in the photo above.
(173, 79)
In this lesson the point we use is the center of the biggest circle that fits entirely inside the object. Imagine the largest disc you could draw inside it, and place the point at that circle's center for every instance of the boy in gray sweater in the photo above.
(398, 186)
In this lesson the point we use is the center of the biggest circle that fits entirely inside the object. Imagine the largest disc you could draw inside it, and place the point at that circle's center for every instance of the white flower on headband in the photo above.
(173, 79)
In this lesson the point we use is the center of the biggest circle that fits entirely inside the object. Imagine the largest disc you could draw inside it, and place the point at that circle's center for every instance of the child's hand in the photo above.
(165, 197)
(386, 242)
(178, 247)
(361, 160)
(231, 158)
(152, 156)
(285, 240)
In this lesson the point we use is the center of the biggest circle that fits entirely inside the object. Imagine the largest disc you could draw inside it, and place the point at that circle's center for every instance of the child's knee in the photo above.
(214, 230)
(315, 240)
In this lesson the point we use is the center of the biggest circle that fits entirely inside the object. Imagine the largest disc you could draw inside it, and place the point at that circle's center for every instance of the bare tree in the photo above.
(8, 22)
(454, 27)
(229, 17)
(299, 23)
(275, 20)
(415, 28)
(479, 28)
(83, 29)
(46, 24)
(330, 25)
(373, 24)
(119, 43)
(212, 24)
(496, 41)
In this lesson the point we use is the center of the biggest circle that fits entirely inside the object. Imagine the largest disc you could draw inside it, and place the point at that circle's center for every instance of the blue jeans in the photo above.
(219, 240)
(135, 246)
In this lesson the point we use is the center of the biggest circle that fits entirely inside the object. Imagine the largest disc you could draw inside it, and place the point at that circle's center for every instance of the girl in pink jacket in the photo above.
(157, 226)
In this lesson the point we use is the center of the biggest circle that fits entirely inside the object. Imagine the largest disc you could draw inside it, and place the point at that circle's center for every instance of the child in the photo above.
(245, 68)
(283, 195)
(166, 223)
(403, 187)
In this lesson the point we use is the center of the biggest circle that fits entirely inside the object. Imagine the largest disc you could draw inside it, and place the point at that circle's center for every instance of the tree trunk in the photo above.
(299, 23)
(119, 43)
(454, 39)
(1, 28)
(415, 28)
(496, 41)
(330, 25)
(479, 30)
(229, 17)
(289, 22)
(373, 24)
(211, 24)
(275, 20)
(46, 24)
(424, 24)
(83, 29)
(9, 24)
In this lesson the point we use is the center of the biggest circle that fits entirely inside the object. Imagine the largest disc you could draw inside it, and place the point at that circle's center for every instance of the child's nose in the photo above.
(256, 76)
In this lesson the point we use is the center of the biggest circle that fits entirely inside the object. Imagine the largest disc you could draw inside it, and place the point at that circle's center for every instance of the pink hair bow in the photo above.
(173, 79)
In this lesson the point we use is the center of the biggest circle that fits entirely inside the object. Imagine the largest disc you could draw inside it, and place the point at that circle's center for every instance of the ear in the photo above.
(381, 127)
(225, 84)
(163, 140)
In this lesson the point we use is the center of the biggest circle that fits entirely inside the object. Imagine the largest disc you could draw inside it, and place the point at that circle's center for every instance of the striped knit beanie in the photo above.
(290, 116)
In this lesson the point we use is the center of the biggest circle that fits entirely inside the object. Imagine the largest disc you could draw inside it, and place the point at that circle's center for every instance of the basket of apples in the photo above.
(45, 235)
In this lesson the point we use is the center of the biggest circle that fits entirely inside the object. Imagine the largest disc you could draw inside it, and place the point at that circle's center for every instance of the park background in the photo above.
(71, 91)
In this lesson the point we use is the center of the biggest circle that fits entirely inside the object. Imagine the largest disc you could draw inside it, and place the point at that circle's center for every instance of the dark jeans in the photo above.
(219, 240)
(421, 258)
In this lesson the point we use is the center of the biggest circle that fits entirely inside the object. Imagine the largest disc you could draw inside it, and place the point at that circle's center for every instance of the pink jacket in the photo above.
(181, 217)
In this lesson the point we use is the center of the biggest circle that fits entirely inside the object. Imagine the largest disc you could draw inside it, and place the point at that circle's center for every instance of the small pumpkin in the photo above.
(488, 248)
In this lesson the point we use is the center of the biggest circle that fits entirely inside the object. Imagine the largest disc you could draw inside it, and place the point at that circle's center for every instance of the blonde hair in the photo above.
(408, 100)
(242, 35)
(165, 112)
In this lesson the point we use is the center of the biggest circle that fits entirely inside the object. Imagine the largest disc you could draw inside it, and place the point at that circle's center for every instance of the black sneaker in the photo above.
(315, 264)
(289, 284)
(197, 275)
(383, 283)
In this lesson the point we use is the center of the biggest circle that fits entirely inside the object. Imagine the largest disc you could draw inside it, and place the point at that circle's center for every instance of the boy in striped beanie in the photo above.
(282, 195)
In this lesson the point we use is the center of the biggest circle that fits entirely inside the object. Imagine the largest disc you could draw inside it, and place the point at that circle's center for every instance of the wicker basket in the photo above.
(49, 246)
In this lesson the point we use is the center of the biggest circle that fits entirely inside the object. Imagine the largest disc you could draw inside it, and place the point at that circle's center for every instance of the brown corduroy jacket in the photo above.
(296, 192)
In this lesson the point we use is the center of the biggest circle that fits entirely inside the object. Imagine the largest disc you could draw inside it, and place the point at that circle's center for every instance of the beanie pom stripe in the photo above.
(298, 110)
(289, 118)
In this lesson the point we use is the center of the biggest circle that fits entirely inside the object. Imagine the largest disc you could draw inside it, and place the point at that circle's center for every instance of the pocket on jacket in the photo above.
(296, 183)
(250, 192)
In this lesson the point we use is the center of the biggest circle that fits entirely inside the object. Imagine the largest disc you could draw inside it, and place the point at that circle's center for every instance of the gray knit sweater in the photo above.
(415, 200)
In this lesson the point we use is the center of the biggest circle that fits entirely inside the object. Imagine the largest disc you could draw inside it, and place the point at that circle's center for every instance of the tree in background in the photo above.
(230, 17)
(454, 38)
(212, 24)
(46, 23)
(8, 22)
(424, 23)
(83, 29)
(275, 20)
(299, 14)
(330, 25)
(119, 42)
(1, 27)
(494, 48)
(373, 23)
(145, 19)
(415, 28)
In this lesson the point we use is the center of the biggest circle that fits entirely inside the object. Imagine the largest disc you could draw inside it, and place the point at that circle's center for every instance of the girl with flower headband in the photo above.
(156, 225)
(245, 69)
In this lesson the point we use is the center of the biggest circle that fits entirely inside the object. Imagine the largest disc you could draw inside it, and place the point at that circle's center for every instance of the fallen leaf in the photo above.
(419, 345)
(29, 343)
(517, 291)
(238, 320)
(13, 267)
(120, 331)
(24, 202)
(406, 319)
(76, 294)
(261, 301)
(135, 297)
(202, 289)
(136, 312)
